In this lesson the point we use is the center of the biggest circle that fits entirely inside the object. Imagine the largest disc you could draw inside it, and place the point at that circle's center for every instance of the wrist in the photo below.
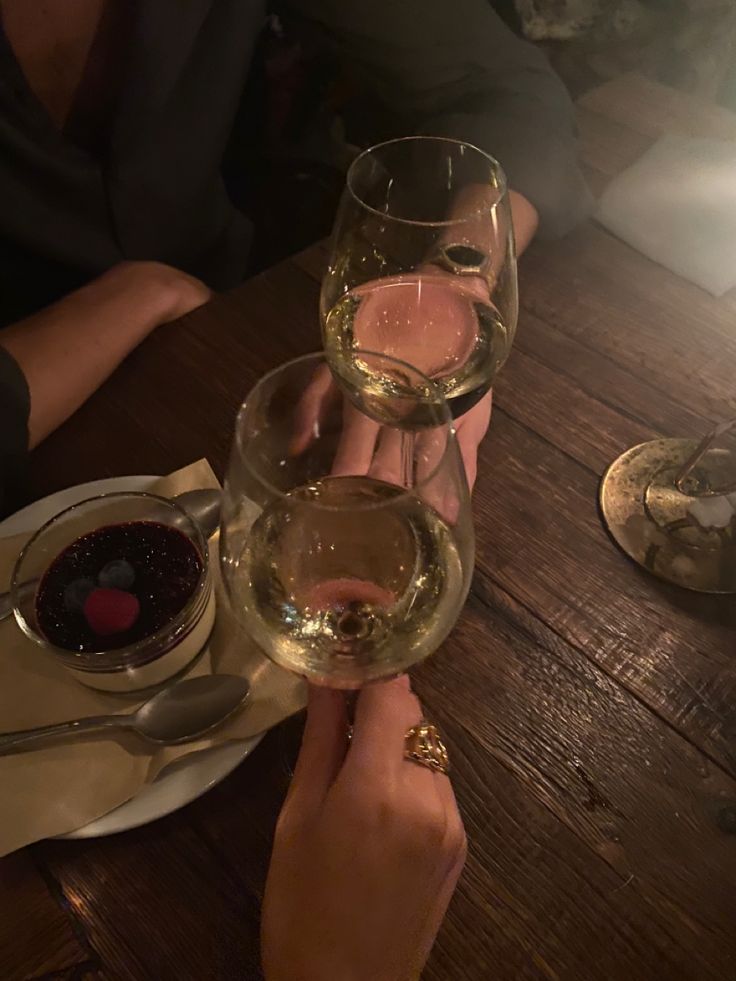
(525, 220)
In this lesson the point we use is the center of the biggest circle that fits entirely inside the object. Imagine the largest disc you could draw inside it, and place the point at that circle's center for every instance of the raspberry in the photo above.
(111, 611)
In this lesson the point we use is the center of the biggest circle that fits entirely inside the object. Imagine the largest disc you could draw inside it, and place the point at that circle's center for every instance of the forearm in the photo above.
(525, 220)
(67, 350)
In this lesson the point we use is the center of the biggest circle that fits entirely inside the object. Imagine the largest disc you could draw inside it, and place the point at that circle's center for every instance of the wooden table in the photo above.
(589, 708)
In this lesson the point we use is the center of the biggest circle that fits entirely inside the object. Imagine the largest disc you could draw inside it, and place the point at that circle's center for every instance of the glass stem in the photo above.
(407, 460)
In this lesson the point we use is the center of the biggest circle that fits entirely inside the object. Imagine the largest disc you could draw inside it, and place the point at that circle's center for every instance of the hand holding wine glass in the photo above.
(423, 266)
(358, 440)
(368, 848)
(346, 570)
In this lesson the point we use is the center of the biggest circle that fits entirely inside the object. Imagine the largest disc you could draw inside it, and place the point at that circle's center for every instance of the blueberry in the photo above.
(76, 593)
(117, 574)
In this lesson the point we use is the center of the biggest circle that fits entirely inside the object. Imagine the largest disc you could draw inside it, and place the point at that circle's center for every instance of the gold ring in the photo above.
(423, 745)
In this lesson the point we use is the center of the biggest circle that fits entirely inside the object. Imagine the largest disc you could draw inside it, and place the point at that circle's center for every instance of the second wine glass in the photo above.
(346, 538)
(423, 266)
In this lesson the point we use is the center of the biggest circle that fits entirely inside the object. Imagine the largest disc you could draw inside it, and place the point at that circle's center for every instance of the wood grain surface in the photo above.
(589, 708)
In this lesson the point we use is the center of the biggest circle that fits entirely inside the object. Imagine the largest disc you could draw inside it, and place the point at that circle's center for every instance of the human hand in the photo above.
(368, 849)
(426, 317)
(356, 453)
(401, 323)
(363, 446)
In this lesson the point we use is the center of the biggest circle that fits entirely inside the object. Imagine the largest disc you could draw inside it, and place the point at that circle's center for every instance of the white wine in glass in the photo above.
(347, 543)
(423, 266)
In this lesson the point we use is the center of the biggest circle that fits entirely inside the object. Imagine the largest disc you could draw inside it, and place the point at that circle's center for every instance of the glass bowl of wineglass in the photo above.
(346, 537)
(423, 265)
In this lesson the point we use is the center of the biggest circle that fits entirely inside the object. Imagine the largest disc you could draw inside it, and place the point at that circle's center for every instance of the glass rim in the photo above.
(128, 650)
(321, 357)
(445, 222)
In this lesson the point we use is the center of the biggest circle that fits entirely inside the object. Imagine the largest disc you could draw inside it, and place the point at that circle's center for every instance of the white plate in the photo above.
(182, 781)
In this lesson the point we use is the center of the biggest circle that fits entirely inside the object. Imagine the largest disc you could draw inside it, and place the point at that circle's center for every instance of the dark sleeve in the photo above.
(455, 69)
(15, 403)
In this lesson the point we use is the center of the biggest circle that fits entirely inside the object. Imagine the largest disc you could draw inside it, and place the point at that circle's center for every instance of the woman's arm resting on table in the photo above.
(68, 349)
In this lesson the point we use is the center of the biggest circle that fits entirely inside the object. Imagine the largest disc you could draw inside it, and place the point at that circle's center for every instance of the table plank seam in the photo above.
(505, 411)
(306, 276)
(588, 471)
(548, 637)
(214, 848)
(73, 972)
(644, 888)
(520, 937)
(550, 321)
(298, 258)
(549, 645)
(620, 410)
(57, 892)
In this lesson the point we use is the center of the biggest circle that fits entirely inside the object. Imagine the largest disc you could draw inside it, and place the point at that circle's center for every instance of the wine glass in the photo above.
(423, 265)
(671, 506)
(346, 536)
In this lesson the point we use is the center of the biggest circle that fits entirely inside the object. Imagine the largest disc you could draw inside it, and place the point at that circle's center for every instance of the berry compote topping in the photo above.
(116, 585)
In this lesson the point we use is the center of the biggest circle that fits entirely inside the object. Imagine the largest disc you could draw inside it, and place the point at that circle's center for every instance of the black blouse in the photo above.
(14, 408)
(158, 192)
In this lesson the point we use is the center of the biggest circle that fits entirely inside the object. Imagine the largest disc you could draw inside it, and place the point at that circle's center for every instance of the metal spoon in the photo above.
(203, 505)
(179, 713)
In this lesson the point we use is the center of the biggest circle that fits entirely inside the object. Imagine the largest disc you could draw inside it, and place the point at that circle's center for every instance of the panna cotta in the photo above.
(125, 605)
